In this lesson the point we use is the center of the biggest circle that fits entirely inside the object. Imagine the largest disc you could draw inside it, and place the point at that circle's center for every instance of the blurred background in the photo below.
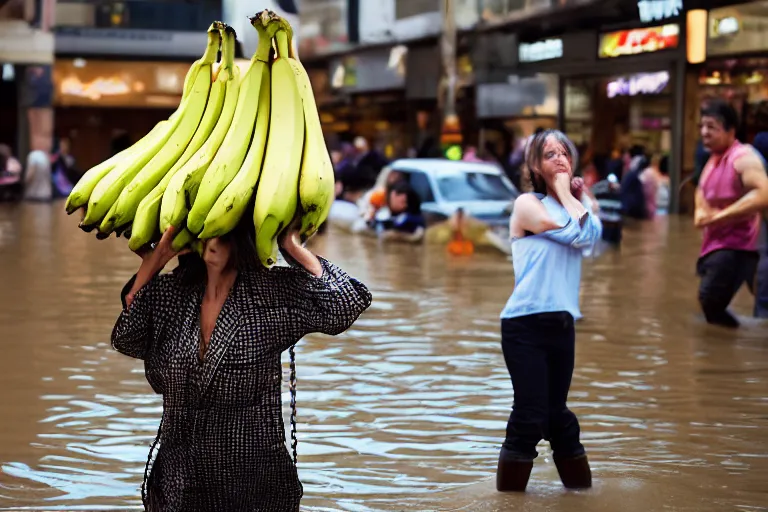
(610, 73)
(407, 409)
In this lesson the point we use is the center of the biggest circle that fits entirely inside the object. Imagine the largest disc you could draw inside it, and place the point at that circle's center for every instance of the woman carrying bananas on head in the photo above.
(210, 334)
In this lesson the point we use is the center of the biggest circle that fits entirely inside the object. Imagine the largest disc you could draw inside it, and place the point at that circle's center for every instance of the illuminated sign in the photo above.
(658, 10)
(81, 82)
(641, 83)
(725, 26)
(638, 40)
(541, 50)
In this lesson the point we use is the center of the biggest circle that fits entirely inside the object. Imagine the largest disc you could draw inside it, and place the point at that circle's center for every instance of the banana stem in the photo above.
(281, 37)
(289, 30)
(265, 43)
(228, 47)
(214, 41)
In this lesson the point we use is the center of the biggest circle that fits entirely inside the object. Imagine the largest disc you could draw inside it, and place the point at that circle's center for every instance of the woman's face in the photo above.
(216, 253)
(554, 160)
(398, 203)
(394, 176)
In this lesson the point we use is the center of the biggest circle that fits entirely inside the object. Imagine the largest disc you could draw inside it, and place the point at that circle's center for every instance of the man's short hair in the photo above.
(722, 111)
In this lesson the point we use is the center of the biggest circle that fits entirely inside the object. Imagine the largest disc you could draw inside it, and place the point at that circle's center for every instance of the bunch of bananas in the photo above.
(237, 144)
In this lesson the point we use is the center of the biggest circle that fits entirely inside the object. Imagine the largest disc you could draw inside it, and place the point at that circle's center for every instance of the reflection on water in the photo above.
(407, 409)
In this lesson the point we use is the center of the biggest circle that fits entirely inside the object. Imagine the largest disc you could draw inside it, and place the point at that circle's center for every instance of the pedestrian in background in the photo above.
(38, 185)
(550, 230)
(732, 192)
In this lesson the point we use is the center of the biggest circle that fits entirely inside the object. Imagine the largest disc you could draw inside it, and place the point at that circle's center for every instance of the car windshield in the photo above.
(475, 186)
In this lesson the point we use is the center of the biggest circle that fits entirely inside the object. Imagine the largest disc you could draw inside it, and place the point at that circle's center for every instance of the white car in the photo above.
(481, 189)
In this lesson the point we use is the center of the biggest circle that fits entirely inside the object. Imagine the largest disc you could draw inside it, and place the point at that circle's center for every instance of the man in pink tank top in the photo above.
(732, 192)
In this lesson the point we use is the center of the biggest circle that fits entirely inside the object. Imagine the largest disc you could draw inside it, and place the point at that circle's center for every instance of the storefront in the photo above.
(370, 91)
(104, 106)
(737, 63)
(618, 87)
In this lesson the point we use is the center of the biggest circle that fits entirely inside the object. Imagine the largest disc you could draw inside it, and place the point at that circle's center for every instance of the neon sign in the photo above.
(541, 50)
(642, 83)
(657, 10)
(638, 40)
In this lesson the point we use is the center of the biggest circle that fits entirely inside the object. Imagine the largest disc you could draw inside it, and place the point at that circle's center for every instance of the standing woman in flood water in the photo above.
(550, 229)
(211, 334)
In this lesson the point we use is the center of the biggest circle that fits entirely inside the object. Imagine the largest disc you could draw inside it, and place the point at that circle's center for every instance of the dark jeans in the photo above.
(722, 274)
(761, 287)
(539, 352)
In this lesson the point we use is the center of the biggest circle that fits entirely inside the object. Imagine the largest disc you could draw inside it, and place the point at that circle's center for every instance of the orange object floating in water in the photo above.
(461, 247)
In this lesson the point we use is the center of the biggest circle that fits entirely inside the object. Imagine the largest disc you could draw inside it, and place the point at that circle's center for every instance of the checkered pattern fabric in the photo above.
(221, 438)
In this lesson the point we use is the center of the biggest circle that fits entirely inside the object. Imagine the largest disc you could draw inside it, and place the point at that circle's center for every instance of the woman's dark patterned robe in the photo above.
(222, 439)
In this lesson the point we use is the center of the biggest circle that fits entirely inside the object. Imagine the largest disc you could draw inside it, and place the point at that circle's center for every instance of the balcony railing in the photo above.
(178, 16)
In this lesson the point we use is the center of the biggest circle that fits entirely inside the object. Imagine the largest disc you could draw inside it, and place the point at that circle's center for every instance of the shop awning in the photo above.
(22, 44)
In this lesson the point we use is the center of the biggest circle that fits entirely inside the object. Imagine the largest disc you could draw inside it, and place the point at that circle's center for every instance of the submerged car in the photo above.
(481, 189)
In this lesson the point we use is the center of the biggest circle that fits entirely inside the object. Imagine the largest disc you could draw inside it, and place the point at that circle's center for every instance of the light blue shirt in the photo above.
(548, 265)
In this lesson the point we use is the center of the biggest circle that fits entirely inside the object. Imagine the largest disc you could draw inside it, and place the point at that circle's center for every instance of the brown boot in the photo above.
(513, 473)
(574, 471)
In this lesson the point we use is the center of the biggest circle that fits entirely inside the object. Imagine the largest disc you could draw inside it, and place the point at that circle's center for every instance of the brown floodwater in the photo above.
(407, 409)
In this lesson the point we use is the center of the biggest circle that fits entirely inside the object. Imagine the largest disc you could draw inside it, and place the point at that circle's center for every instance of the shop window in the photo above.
(422, 186)
(408, 8)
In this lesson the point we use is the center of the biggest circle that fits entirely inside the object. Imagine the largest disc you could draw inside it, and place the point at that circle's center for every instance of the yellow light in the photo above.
(696, 47)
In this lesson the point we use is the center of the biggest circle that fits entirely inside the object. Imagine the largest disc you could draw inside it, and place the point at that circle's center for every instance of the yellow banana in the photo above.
(229, 207)
(146, 220)
(316, 180)
(182, 239)
(108, 189)
(276, 195)
(152, 172)
(190, 133)
(81, 192)
(230, 157)
(174, 204)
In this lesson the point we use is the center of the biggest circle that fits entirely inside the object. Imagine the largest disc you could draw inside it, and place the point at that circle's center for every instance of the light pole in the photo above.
(450, 132)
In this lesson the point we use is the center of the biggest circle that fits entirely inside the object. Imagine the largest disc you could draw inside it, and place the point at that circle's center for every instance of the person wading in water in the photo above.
(550, 230)
(210, 334)
(732, 191)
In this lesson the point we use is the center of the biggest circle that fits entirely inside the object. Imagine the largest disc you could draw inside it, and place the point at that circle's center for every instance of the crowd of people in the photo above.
(45, 177)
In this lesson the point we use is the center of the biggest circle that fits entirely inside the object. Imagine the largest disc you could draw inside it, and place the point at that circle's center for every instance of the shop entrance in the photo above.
(606, 116)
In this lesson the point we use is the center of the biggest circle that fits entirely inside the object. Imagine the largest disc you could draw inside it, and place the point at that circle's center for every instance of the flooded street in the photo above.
(406, 410)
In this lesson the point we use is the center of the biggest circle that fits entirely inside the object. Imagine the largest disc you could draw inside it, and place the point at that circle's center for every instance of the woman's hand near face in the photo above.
(561, 184)
(153, 261)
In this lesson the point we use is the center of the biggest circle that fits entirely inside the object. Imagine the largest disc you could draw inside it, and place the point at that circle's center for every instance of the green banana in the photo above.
(173, 207)
(229, 207)
(276, 196)
(82, 190)
(108, 189)
(316, 180)
(230, 157)
(189, 132)
(182, 239)
(152, 172)
(146, 220)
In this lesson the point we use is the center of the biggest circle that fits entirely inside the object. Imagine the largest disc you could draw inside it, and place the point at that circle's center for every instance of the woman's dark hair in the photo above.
(722, 111)
(664, 165)
(242, 243)
(533, 154)
(413, 200)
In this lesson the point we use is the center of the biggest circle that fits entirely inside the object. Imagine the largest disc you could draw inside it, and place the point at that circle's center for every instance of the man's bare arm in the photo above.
(753, 176)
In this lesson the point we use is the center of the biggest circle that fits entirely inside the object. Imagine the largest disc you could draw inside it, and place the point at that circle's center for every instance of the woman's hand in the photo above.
(561, 184)
(290, 242)
(153, 261)
(577, 187)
